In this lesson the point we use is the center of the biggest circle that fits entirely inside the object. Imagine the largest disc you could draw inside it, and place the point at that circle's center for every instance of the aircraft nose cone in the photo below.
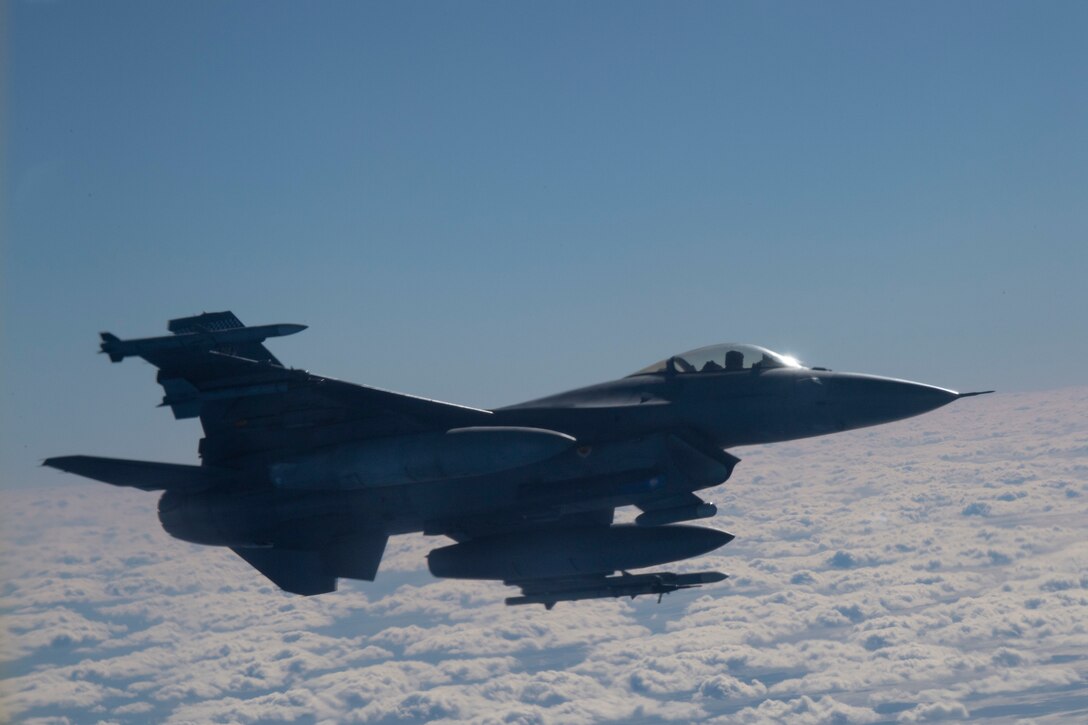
(864, 400)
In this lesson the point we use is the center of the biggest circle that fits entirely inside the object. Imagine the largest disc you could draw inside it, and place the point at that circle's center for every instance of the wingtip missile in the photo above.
(188, 338)
(286, 328)
(707, 577)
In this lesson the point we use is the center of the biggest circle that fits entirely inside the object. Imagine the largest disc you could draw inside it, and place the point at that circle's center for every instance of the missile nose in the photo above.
(286, 328)
(864, 400)
(711, 577)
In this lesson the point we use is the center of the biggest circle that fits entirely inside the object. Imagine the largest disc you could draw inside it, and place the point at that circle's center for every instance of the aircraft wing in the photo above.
(215, 368)
(295, 410)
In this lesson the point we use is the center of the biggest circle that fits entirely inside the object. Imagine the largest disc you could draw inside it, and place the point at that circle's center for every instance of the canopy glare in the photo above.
(727, 357)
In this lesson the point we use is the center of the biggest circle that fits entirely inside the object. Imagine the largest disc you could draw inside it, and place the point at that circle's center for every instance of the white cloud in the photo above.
(935, 712)
(859, 592)
(804, 711)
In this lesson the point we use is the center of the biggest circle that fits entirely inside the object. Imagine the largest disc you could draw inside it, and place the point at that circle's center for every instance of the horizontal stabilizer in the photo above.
(145, 475)
(314, 571)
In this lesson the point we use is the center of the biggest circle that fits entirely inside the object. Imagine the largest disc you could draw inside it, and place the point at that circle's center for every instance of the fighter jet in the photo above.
(306, 477)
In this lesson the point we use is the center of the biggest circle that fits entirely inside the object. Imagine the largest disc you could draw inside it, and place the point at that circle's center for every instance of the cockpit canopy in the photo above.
(727, 357)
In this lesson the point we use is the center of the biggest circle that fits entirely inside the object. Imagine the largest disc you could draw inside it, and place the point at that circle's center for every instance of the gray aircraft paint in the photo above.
(306, 477)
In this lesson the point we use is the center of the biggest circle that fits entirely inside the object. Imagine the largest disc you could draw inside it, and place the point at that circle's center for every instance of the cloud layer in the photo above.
(928, 570)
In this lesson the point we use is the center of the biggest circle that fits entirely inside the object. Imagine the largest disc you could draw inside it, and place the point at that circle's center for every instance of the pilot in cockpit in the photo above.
(734, 360)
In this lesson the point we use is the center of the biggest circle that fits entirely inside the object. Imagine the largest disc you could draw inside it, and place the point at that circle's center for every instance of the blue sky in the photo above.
(488, 202)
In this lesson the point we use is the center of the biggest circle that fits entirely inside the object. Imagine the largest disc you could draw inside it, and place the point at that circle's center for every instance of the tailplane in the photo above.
(145, 475)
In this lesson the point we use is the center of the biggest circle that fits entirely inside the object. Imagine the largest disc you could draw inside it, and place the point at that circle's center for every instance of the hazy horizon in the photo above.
(924, 570)
(484, 203)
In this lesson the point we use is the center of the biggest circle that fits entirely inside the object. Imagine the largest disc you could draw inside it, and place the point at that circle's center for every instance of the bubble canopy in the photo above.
(727, 357)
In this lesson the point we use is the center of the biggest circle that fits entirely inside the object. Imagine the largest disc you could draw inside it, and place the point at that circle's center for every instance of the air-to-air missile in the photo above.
(623, 585)
(193, 339)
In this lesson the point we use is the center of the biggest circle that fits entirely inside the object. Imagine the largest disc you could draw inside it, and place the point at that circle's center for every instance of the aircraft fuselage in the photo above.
(306, 477)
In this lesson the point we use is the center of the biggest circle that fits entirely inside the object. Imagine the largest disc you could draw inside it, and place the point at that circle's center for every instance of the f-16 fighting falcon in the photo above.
(306, 477)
